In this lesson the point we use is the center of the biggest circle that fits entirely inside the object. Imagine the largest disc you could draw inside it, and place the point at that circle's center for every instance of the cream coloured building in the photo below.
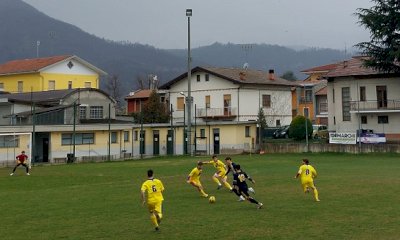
(362, 98)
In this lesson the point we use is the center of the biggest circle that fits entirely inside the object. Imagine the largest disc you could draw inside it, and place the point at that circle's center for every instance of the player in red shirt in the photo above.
(21, 159)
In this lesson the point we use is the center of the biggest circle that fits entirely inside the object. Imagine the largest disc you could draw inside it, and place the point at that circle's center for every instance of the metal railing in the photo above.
(216, 112)
(304, 100)
(375, 105)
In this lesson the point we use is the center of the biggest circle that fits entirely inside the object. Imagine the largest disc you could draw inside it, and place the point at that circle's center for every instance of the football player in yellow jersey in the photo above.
(221, 172)
(194, 179)
(153, 188)
(307, 174)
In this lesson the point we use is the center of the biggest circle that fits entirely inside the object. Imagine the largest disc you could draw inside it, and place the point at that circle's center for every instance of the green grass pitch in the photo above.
(359, 200)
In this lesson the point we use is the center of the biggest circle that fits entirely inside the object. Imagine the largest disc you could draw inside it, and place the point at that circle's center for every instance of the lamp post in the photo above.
(189, 96)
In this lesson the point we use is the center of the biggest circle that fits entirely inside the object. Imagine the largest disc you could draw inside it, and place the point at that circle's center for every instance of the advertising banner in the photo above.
(373, 138)
(342, 138)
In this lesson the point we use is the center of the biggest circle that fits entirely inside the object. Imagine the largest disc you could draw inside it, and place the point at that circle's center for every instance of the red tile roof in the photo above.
(322, 91)
(29, 65)
(352, 67)
(145, 93)
(237, 76)
(323, 68)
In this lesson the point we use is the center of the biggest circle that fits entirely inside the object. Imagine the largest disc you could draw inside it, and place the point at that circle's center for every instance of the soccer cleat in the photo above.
(241, 199)
(28, 174)
(11, 174)
(157, 229)
(252, 190)
(260, 205)
(219, 187)
(205, 196)
(318, 200)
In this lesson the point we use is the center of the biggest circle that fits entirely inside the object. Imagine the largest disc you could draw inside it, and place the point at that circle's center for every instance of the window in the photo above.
(82, 112)
(363, 119)
(198, 78)
(126, 136)
(202, 133)
(114, 137)
(334, 120)
(20, 86)
(207, 77)
(247, 131)
(208, 100)
(135, 136)
(383, 119)
(80, 138)
(333, 95)
(180, 103)
(96, 112)
(7, 141)
(362, 94)
(88, 84)
(69, 84)
(162, 99)
(278, 122)
(308, 95)
(346, 104)
(266, 101)
(52, 85)
(306, 112)
(1, 86)
(227, 105)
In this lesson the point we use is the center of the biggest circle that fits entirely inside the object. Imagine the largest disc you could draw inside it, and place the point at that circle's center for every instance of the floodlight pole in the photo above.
(189, 96)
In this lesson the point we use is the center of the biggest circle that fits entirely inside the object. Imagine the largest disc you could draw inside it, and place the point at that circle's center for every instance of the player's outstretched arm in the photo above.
(142, 197)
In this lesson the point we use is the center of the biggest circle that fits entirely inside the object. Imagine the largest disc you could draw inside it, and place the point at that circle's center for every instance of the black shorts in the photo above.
(244, 190)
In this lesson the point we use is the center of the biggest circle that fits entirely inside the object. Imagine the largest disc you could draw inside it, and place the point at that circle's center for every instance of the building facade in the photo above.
(360, 98)
(47, 74)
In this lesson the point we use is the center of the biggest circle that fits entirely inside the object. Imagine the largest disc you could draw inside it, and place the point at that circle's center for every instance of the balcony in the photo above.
(375, 106)
(306, 100)
(209, 114)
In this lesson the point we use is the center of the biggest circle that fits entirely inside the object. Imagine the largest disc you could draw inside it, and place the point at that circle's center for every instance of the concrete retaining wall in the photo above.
(301, 147)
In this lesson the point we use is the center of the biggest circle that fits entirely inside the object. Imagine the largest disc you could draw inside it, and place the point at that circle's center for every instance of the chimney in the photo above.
(242, 75)
(271, 74)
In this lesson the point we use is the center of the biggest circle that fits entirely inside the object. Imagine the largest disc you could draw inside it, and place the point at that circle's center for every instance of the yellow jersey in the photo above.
(154, 189)
(194, 175)
(307, 173)
(219, 165)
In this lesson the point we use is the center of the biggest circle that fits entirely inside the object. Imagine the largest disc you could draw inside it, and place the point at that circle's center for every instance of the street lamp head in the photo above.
(188, 12)
(183, 94)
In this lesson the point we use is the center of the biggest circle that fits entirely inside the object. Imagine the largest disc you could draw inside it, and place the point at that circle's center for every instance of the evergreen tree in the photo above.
(261, 119)
(154, 111)
(383, 22)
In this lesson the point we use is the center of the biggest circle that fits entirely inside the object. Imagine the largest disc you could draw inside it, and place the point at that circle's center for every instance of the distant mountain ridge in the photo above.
(22, 26)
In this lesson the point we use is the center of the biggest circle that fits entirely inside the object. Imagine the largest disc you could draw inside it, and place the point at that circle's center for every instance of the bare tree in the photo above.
(113, 88)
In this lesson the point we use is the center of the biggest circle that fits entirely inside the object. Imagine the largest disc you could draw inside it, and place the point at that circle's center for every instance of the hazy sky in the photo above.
(163, 23)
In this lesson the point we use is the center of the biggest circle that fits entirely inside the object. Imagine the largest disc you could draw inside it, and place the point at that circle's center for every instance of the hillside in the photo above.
(22, 26)
(263, 57)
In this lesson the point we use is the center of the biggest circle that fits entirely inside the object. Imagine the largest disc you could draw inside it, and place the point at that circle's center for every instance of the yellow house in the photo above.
(50, 73)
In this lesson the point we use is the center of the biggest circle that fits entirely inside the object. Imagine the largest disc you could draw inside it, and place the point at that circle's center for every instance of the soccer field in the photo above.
(359, 200)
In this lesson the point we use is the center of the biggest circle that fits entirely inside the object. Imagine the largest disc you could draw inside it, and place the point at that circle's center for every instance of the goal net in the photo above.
(12, 144)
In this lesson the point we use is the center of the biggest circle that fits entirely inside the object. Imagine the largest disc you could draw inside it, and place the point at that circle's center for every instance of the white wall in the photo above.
(244, 101)
(335, 109)
(62, 68)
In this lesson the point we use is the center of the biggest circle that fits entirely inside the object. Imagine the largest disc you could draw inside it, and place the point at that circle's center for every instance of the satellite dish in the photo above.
(245, 65)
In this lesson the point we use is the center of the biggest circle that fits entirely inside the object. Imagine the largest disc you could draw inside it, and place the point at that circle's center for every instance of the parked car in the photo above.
(282, 132)
(320, 131)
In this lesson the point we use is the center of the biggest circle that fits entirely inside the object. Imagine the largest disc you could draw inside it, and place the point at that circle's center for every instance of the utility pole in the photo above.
(189, 97)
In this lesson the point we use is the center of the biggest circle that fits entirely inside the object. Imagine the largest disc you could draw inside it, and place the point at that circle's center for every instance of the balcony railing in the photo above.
(217, 113)
(375, 105)
(305, 100)
(323, 108)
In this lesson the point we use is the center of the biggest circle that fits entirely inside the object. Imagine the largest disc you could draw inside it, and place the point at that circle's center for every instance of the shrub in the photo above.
(297, 129)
